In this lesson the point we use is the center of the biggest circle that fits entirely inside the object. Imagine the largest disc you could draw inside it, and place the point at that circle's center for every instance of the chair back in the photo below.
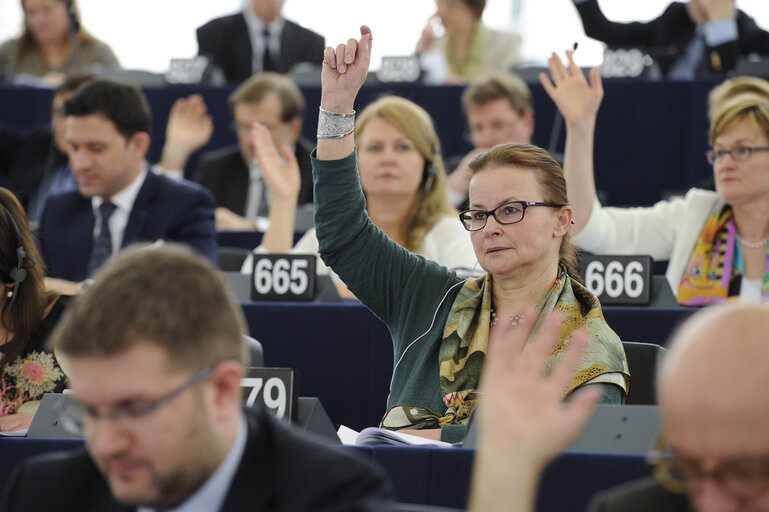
(231, 258)
(255, 351)
(643, 359)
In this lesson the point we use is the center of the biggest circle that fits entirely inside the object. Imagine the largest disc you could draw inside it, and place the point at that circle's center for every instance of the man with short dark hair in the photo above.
(257, 40)
(498, 110)
(232, 173)
(157, 396)
(119, 199)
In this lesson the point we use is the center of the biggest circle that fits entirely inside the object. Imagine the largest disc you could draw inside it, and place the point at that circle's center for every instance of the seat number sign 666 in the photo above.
(283, 277)
(618, 279)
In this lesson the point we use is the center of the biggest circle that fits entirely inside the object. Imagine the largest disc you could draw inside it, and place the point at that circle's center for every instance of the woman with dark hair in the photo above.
(441, 324)
(29, 313)
(53, 44)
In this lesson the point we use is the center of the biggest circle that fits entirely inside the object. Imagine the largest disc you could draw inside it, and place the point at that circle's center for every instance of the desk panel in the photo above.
(344, 353)
(432, 476)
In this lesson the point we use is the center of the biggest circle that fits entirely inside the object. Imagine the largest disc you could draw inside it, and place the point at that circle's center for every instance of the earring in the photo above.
(9, 294)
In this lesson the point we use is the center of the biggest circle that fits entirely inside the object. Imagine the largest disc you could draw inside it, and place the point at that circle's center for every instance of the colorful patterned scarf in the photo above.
(466, 336)
(713, 267)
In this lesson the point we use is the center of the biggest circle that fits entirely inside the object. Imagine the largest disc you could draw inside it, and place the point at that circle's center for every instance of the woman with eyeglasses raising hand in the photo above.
(716, 243)
(442, 324)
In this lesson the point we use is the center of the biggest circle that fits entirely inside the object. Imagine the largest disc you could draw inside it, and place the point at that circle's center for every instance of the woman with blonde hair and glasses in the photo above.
(716, 243)
(403, 179)
(441, 324)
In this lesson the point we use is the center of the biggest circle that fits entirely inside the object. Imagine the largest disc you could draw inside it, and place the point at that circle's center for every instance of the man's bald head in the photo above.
(712, 392)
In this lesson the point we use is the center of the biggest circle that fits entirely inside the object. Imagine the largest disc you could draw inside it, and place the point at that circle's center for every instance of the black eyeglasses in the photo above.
(740, 153)
(743, 478)
(507, 213)
(75, 416)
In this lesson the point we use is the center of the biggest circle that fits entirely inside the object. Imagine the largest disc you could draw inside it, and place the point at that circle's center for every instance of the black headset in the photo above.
(18, 274)
(74, 25)
(428, 175)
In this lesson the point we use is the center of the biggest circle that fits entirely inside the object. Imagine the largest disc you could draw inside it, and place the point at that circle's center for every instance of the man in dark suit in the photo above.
(157, 396)
(119, 199)
(232, 174)
(256, 40)
(37, 164)
(687, 40)
(713, 456)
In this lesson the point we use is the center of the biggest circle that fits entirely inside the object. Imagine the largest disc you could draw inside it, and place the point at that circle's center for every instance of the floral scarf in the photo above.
(29, 376)
(713, 266)
(466, 336)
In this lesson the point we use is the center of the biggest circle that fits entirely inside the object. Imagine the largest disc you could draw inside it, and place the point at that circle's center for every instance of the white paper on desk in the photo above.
(376, 435)
(14, 433)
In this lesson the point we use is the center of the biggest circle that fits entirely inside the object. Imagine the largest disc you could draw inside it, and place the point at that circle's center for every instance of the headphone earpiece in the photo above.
(74, 25)
(18, 274)
(428, 175)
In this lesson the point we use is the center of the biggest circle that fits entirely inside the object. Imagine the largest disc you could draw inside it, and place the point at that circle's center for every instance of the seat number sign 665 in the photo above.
(618, 279)
(283, 277)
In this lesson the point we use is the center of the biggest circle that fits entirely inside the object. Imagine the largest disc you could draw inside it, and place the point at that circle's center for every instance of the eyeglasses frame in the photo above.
(524, 205)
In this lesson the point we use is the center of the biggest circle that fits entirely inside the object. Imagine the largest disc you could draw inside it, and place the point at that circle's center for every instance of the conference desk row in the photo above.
(343, 352)
(651, 134)
(432, 476)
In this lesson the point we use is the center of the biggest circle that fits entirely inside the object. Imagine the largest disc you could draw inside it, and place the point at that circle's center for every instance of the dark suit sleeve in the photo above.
(751, 39)
(295, 471)
(196, 227)
(599, 27)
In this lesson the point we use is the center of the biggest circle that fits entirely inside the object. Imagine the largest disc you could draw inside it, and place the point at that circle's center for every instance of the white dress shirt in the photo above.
(256, 28)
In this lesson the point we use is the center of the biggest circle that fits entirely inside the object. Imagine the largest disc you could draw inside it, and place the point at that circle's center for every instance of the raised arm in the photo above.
(189, 128)
(282, 177)
(523, 419)
(344, 71)
(578, 102)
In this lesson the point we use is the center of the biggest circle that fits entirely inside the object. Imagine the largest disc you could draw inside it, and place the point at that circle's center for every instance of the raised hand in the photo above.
(718, 10)
(344, 71)
(577, 99)
(189, 128)
(428, 37)
(524, 422)
(281, 175)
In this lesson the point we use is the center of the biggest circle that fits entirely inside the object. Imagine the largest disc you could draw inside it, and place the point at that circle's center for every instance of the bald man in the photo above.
(714, 410)
(715, 413)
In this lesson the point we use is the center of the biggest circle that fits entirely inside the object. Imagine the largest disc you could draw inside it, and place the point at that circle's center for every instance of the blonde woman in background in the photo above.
(403, 178)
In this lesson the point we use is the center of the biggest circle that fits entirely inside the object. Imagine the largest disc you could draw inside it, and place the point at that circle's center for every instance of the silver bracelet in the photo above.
(333, 125)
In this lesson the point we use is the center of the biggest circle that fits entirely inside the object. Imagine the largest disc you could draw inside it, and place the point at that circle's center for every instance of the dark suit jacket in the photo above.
(176, 211)
(25, 159)
(666, 37)
(226, 175)
(227, 42)
(642, 495)
(281, 470)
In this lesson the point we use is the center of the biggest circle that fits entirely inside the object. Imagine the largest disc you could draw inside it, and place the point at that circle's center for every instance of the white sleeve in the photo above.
(650, 230)
(448, 244)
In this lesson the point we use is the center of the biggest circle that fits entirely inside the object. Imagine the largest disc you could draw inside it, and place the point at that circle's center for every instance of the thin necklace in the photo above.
(752, 245)
(514, 320)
